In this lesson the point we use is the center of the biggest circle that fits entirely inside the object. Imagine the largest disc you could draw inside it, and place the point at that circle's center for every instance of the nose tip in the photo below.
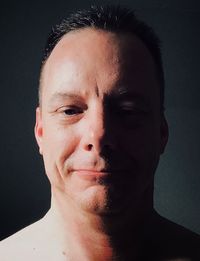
(99, 138)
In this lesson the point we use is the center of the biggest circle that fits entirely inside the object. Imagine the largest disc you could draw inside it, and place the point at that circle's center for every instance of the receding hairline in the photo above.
(89, 28)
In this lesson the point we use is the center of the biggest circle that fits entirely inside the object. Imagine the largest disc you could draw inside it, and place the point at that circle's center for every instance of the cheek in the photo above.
(141, 147)
(58, 146)
(143, 144)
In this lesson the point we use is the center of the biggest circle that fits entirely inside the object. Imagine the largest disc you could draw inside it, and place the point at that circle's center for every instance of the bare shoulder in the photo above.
(35, 242)
(24, 244)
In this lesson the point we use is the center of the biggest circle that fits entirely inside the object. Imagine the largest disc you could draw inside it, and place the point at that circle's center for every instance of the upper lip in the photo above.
(98, 170)
(92, 170)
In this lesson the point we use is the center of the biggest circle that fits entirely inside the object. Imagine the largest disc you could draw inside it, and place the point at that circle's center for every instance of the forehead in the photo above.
(89, 59)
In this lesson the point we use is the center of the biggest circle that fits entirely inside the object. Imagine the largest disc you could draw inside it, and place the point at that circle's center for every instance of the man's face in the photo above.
(99, 127)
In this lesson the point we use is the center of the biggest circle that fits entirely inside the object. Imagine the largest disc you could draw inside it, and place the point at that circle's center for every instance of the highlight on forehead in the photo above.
(127, 45)
(110, 18)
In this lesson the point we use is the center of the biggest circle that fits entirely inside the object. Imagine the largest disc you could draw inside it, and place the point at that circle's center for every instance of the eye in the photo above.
(72, 110)
(130, 109)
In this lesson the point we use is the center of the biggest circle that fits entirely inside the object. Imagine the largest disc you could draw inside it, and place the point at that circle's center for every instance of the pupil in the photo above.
(70, 111)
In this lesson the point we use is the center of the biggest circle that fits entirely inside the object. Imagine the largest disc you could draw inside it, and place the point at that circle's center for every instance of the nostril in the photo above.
(89, 147)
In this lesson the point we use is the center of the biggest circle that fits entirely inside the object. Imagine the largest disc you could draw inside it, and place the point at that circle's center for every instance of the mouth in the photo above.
(103, 176)
(90, 174)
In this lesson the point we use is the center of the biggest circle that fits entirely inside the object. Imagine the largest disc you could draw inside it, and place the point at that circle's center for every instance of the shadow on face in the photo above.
(100, 129)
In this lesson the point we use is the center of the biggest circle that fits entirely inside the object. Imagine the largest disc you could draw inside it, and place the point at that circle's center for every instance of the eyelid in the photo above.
(77, 109)
(72, 106)
(69, 114)
(132, 105)
(127, 103)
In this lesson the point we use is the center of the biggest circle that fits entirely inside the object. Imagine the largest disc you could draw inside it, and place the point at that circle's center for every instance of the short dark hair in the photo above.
(109, 18)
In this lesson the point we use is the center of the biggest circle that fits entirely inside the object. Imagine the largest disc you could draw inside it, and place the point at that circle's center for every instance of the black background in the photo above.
(24, 25)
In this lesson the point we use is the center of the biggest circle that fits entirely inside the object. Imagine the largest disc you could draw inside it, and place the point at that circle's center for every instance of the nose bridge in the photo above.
(96, 134)
(97, 123)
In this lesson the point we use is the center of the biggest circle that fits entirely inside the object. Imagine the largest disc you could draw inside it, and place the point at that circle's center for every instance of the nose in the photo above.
(99, 134)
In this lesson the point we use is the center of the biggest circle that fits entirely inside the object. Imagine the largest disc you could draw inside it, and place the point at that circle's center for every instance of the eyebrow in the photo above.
(120, 94)
(60, 96)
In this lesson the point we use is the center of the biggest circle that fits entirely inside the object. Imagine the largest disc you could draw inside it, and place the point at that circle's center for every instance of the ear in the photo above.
(164, 133)
(38, 130)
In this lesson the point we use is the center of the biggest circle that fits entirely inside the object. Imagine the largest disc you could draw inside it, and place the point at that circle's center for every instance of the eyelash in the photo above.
(70, 111)
(131, 110)
(73, 111)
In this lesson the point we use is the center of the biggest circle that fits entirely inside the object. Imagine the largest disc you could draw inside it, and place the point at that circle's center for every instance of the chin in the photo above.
(92, 199)
(97, 200)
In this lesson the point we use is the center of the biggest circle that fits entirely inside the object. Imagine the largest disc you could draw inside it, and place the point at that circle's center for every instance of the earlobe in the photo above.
(164, 134)
(38, 130)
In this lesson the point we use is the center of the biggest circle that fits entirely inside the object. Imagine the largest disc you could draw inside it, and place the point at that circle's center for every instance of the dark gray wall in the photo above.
(24, 189)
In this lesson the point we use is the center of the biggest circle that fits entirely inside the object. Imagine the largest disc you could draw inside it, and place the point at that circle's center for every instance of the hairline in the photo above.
(100, 30)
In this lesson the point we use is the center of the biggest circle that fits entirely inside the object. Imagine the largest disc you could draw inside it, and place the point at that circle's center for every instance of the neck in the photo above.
(87, 236)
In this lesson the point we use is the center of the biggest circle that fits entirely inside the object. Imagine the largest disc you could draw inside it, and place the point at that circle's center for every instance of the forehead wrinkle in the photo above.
(97, 91)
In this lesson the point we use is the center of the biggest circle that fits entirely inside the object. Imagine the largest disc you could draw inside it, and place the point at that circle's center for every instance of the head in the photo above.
(100, 124)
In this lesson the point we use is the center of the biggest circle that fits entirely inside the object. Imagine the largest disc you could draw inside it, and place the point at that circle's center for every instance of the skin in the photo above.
(101, 132)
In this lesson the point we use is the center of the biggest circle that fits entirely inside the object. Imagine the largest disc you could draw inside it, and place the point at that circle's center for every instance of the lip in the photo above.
(91, 173)
(94, 175)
